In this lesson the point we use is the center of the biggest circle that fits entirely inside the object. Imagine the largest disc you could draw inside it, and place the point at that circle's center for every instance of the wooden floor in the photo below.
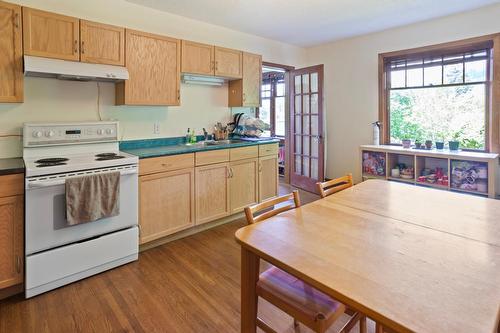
(189, 285)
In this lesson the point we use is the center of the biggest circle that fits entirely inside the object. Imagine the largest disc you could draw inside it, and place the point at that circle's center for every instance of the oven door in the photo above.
(46, 225)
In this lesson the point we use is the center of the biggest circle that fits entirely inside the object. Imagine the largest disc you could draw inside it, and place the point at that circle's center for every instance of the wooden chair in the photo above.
(334, 185)
(301, 301)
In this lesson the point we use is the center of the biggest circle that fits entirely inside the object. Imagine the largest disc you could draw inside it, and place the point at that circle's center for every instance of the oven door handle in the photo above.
(62, 181)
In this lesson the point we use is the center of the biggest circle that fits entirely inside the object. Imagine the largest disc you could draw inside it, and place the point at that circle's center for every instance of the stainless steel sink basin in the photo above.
(216, 143)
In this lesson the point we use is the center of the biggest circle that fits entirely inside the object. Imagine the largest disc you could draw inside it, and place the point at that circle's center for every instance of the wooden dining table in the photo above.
(413, 259)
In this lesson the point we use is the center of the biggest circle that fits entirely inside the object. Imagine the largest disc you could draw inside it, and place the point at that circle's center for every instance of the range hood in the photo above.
(203, 80)
(73, 70)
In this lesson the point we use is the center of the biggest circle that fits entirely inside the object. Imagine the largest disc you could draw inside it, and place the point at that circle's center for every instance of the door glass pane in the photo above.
(314, 103)
(298, 104)
(305, 145)
(314, 169)
(305, 167)
(314, 125)
(297, 84)
(314, 147)
(314, 82)
(298, 124)
(298, 165)
(305, 83)
(305, 107)
(306, 124)
(298, 144)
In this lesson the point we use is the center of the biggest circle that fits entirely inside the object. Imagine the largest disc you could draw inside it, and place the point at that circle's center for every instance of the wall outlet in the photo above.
(156, 128)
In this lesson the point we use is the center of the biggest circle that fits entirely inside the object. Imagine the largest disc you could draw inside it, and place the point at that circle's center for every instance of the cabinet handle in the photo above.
(16, 20)
(260, 167)
(165, 165)
(82, 50)
(76, 46)
(179, 95)
(216, 65)
(18, 264)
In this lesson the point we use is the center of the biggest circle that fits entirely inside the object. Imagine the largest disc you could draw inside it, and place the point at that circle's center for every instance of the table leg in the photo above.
(249, 277)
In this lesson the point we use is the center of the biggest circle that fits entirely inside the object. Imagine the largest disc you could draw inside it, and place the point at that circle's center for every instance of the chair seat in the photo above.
(297, 296)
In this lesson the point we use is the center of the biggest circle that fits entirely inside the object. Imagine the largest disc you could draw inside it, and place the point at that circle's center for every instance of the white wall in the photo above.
(201, 106)
(351, 77)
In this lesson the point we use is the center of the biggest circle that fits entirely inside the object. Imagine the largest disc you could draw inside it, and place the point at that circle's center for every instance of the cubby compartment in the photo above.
(401, 167)
(374, 164)
(432, 171)
(469, 176)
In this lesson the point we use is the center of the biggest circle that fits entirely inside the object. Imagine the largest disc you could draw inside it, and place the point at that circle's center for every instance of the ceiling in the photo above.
(311, 22)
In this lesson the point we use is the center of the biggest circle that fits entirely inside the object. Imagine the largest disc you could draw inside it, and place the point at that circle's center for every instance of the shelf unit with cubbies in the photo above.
(458, 171)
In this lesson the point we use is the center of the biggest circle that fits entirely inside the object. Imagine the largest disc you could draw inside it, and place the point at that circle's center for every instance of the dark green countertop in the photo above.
(175, 146)
(10, 166)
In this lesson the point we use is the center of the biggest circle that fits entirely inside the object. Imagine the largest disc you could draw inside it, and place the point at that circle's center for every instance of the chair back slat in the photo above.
(335, 185)
(250, 211)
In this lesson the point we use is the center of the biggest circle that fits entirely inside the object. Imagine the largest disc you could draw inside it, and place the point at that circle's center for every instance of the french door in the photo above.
(306, 125)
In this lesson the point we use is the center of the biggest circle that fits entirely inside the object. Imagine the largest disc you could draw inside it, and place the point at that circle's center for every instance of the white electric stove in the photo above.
(56, 253)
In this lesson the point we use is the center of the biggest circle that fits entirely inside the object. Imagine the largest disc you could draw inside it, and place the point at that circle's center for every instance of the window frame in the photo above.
(492, 112)
(272, 102)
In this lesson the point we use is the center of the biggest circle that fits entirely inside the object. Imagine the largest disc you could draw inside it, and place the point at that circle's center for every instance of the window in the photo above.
(272, 110)
(439, 95)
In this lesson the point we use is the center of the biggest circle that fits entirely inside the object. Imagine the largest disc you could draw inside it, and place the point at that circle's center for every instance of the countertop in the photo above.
(175, 146)
(10, 166)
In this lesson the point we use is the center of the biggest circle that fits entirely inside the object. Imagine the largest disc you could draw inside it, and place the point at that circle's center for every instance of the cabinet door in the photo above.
(212, 192)
(153, 63)
(252, 78)
(11, 58)
(197, 58)
(228, 63)
(243, 180)
(51, 35)
(11, 241)
(102, 43)
(268, 177)
(166, 203)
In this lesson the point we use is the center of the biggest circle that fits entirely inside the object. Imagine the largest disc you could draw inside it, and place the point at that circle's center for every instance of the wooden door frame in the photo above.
(288, 86)
(321, 146)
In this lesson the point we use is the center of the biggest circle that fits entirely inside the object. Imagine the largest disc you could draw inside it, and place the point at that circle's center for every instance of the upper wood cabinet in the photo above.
(11, 230)
(51, 35)
(153, 63)
(11, 54)
(228, 63)
(102, 43)
(197, 58)
(246, 92)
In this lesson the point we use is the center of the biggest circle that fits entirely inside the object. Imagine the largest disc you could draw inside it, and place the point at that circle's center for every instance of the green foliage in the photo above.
(439, 114)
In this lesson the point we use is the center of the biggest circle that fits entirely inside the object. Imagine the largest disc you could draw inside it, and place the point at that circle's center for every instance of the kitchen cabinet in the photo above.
(11, 231)
(102, 43)
(212, 192)
(197, 58)
(11, 59)
(51, 35)
(268, 177)
(153, 63)
(166, 203)
(243, 180)
(228, 63)
(246, 92)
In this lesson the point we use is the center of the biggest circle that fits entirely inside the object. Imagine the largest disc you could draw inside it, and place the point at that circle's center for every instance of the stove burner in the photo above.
(110, 157)
(52, 160)
(49, 164)
(105, 155)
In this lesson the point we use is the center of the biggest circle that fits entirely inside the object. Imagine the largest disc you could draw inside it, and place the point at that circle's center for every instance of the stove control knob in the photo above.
(109, 131)
(37, 134)
(100, 131)
(49, 134)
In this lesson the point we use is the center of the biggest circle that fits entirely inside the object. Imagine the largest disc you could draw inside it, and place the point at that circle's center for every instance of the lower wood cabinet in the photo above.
(166, 203)
(11, 232)
(243, 184)
(268, 177)
(212, 192)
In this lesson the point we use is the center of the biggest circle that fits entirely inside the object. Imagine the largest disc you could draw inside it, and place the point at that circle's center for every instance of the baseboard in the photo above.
(11, 291)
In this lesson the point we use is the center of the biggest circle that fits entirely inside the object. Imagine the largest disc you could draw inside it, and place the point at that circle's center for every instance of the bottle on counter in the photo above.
(193, 137)
(188, 136)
